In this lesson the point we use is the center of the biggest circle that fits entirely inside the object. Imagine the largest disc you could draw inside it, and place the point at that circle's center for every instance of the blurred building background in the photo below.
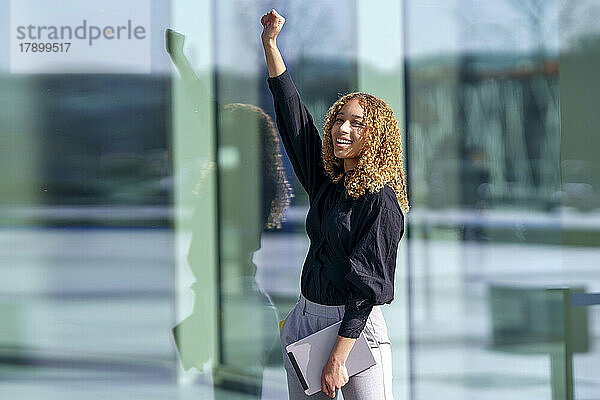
(152, 229)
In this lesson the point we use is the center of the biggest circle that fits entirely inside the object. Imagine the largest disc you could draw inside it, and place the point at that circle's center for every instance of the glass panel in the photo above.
(86, 244)
(579, 57)
(196, 226)
(496, 223)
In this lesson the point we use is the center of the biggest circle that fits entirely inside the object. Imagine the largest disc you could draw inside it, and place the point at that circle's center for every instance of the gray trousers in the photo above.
(374, 383)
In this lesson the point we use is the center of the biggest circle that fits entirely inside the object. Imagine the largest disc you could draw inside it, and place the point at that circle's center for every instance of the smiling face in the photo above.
(348, 133)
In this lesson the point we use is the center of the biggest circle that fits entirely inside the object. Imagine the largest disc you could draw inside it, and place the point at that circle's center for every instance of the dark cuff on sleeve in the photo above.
(282, 86)
(354, 322)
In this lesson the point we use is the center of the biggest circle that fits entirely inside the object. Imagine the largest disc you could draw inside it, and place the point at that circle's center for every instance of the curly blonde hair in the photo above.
(381, 160)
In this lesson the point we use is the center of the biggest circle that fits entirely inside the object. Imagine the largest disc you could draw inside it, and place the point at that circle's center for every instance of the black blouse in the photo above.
(353, 242)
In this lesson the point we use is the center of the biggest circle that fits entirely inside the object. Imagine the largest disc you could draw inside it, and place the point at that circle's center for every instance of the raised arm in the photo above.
(297, 130)
(272, 23)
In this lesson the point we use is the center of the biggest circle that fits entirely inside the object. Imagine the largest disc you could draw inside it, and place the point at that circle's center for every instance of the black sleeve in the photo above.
(298, 132)
(372, 267)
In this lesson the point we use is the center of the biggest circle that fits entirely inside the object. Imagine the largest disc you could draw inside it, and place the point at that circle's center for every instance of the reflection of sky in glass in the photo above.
(438, 26)
(578, 19)
(308, 31)
(448, 27)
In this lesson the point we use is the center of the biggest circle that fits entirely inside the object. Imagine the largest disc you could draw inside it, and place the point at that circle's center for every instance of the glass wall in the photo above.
(153, 230)
(504, 244)
(86, 245)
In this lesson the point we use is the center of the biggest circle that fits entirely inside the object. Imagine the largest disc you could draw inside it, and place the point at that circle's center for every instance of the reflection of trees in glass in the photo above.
(510, 24)
(541, 20)
(511, 117)
(314, 21)
(491, 110)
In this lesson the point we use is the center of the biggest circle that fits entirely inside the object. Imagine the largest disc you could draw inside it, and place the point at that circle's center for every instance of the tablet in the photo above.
(309, 355)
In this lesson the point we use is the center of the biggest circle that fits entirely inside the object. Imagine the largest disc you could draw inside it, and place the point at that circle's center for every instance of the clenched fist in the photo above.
(272, 23)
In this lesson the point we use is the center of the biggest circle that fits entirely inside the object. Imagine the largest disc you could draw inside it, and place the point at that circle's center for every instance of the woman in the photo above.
(356, 187)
